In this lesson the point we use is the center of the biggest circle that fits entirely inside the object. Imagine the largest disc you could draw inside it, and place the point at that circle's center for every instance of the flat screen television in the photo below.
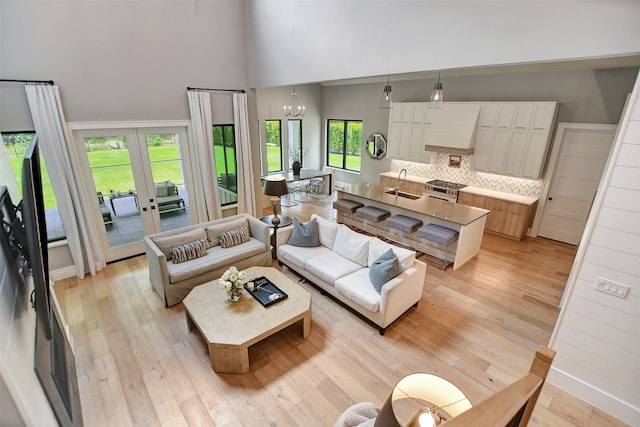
(33, 218)
(54, 362)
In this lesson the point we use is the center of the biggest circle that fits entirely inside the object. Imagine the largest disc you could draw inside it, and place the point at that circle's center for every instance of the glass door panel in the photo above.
(116, 195)
(169, 186)
(139, 184)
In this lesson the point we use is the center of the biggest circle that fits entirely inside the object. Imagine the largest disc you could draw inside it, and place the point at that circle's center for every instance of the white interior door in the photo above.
(578, 159)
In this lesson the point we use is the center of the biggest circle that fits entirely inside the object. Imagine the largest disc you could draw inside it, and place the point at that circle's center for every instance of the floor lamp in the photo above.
(275, 187)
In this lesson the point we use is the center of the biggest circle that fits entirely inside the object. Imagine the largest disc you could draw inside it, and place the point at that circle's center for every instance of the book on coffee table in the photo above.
(265, 291)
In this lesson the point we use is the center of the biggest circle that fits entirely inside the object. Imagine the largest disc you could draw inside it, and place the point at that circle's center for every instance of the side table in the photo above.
(285, 220)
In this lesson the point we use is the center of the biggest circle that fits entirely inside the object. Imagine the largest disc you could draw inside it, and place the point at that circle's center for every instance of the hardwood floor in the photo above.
(478, 326)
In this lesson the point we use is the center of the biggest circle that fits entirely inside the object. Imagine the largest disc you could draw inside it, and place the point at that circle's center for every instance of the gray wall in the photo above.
(125, 60)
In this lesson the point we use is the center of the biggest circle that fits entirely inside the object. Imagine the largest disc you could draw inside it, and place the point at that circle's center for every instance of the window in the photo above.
(344, 144)
(295, 141)
(224, 148)
(16, 144)
(274, 146)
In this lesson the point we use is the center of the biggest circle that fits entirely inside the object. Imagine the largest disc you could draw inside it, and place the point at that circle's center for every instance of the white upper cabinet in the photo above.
(513, 138)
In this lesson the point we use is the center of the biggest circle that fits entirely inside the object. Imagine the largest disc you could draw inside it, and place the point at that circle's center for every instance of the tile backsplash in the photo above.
(466, 175)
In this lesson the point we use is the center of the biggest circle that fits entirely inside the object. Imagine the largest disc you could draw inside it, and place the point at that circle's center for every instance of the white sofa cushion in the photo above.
(353, 246)
(298, 255)
(377, 248)
(329, 266)
(327, 231)
(357, 287)
(216, 257)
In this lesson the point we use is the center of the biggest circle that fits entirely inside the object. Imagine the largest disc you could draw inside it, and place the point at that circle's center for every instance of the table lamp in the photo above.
(422, 400)
(275, 187)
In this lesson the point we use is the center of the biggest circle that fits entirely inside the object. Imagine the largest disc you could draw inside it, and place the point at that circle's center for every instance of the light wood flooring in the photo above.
(478, 326)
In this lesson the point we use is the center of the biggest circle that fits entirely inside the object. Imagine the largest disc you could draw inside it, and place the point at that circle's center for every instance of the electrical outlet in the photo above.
(611, 287)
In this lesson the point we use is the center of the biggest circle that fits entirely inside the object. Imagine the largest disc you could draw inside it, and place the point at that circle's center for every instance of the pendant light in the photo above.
(436, 95)
(385, 101)
(294, 109)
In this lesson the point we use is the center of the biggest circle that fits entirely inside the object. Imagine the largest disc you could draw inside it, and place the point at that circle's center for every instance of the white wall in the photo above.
(597, 336)
(309, 41)
(17, 333)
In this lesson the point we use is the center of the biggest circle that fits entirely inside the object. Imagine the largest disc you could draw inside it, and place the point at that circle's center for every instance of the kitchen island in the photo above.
(467, 220)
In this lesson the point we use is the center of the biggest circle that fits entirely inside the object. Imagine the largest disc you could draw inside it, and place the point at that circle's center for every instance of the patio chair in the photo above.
(106, 213)
(167, 194)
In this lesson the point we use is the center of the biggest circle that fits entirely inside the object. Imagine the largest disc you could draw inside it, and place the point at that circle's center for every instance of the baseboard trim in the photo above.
(612, 405)
(62, 273)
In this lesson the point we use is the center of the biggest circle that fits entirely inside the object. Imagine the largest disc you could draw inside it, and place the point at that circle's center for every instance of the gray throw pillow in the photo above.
(305, 235)
(384, 269)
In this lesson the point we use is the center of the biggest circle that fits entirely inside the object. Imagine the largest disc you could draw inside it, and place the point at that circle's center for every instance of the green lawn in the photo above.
(112, 171)
(273, 163)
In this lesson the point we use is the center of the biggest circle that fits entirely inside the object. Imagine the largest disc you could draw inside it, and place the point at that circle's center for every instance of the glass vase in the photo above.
(235, 293)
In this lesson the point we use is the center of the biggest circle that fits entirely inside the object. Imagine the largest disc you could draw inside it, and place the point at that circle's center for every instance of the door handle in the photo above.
(144, 209)
(153, 206)
(550, 198)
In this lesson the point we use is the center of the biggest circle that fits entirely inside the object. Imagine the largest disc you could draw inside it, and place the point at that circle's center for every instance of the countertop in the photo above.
(447, 211)
(510, 197)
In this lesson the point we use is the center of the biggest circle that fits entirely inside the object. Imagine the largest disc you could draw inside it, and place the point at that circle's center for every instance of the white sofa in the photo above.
(173, 281)
(347, 278)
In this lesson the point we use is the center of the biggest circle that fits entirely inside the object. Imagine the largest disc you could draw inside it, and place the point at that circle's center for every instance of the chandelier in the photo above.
(294, 109)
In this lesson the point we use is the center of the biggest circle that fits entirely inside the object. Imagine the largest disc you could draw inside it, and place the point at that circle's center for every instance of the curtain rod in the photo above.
(49, 82)
(215, 90)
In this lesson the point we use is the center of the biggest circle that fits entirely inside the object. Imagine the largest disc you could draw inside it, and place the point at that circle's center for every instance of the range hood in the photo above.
(452, 129)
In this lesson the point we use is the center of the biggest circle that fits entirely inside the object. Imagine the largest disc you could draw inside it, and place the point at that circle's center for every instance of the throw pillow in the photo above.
(384, 269)
(234, 237)
(304, 235)
(165, 243)
(351, 245)
(221, 226)
(327, 231)
(406, 258)
(188, 251)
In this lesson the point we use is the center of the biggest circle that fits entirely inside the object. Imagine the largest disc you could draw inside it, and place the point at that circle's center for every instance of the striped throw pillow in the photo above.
(234, 237)
(188, 251)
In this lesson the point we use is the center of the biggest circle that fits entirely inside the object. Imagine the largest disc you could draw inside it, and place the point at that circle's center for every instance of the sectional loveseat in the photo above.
(340, 266)
(173, 281)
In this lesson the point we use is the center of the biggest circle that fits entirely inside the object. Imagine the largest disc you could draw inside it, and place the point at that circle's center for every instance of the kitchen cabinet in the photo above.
(413, 126)
(508, 218)
(513, 138)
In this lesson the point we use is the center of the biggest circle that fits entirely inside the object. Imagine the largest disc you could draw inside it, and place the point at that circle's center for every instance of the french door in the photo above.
(139, 184)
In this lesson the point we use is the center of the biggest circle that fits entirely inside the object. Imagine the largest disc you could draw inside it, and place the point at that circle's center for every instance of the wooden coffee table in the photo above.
(231, 327)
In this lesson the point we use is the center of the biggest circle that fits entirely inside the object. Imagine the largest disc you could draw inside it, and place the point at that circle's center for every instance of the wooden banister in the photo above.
(513, 405)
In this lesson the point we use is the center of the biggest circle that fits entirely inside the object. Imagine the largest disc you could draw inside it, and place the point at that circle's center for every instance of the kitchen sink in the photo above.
(405, 195)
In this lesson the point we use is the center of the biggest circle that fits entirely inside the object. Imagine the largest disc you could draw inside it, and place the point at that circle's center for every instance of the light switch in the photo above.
(611, 287)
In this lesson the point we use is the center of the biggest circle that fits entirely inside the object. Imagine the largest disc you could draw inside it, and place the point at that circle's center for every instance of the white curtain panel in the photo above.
(246, 194)
(62, 160)
(206, 195)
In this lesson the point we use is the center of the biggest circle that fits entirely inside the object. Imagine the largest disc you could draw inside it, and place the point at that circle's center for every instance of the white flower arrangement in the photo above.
(233, 281)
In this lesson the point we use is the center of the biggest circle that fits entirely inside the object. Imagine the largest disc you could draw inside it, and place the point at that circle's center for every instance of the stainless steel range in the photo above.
(442, 190)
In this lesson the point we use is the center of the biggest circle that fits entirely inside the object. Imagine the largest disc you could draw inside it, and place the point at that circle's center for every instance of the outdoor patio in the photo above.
(126, 223)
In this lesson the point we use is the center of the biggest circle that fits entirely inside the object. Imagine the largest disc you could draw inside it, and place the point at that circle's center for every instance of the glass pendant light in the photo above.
(294, 109)
(436, 95)
(385, 101)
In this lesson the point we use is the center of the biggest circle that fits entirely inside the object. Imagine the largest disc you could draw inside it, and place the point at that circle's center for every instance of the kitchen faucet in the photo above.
(404, 179)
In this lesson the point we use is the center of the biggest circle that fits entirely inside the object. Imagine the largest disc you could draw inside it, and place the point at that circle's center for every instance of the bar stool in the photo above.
(372, 215)
(433, 235)
(403, 225)
(348, 207)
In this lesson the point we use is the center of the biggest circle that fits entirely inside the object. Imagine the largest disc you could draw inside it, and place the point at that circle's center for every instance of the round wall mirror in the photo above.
(376, 146)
